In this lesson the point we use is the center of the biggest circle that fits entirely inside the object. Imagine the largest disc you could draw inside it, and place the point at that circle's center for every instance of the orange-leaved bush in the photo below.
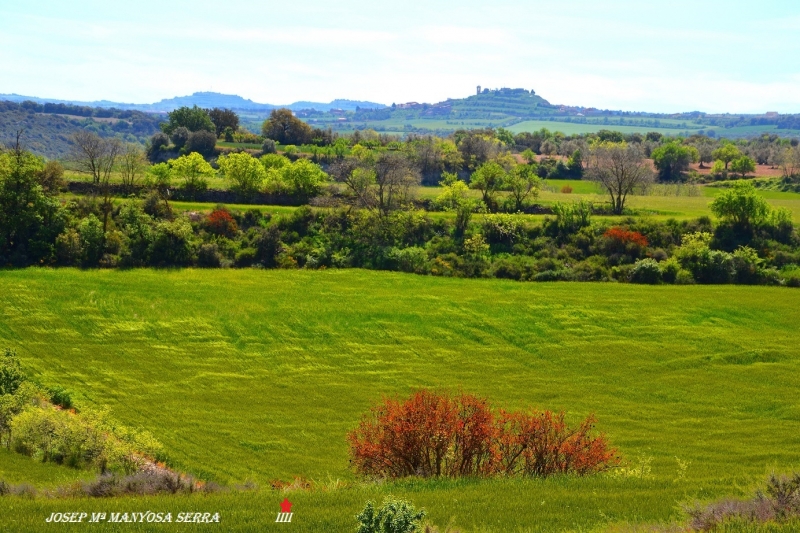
(436, 434)
(220, 222)
(624, 236)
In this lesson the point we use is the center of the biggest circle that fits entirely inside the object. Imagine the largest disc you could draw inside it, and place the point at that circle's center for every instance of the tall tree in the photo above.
(743, 166)
(132, 165)
(619, 168)
(191, 118)
(94, 155)
(245, 171)
(489, 178)
(726, 153)
(523, 185)
(30, 220)
(223, 118)
(98, 157)
(672, 159)
(395, 176)
(282, 126)
(741, 204)
(193, 170)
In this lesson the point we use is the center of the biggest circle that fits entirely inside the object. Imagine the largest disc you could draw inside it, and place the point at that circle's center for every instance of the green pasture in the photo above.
(658, 207)
(258, 375)
(574, 128)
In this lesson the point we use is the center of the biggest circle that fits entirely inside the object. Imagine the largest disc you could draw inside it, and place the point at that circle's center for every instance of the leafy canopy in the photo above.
(246, 172)
(191, 118)
(741, 204)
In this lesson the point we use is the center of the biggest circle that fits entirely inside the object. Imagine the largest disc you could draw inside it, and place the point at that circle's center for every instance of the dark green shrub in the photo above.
(268, 147)
(669, 270)
(155, 206)
(61, 396)
(180, 136)
(246, 257)
(513, 267)
(91, 236)
(646, 271)
(412, 259)
(172, 244)
(684, 277)
(394, 516)
(553, 275)
(715, 266)
(747, 265)
(791, 276)
(208, 256)
(621, 272)
(202, 142)
(593, 269)
(267, 242)
(11, 374)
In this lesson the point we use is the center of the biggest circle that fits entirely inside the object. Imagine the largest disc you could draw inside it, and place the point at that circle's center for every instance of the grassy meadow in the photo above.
(258, 375)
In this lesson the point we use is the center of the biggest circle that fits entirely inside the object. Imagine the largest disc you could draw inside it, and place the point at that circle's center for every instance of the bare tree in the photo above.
(94, 155)
(381, 182)
(619, 168)
(132, 164)
(395, 176)
(97, 156)
(358, 178)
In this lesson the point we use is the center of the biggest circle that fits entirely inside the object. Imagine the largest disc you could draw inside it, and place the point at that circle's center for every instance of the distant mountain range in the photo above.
(205, 100)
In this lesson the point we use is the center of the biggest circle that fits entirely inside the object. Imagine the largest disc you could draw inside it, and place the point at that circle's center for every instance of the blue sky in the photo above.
(715, 56)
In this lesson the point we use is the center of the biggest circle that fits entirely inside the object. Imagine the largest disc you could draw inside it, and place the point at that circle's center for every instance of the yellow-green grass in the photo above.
(18, 469)
(214, 182)
(658, 207)
(575, 128)
(247, 374)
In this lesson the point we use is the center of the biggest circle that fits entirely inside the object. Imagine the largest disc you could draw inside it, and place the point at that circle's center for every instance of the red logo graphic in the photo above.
(286, 511)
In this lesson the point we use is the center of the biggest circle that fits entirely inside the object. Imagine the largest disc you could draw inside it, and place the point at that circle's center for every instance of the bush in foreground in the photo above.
(779, 503)
(439, 435)
(394, 516)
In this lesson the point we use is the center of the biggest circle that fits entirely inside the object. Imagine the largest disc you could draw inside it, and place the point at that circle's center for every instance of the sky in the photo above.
(714, 56)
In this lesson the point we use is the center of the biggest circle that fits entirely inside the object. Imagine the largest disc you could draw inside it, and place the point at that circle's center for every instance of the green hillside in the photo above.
(247, 374)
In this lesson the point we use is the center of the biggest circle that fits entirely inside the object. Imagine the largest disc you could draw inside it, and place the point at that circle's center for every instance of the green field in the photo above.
(574, 128)
(258, 375)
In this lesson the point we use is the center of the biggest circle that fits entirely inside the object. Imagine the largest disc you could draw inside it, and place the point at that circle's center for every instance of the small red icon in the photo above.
(286, 513)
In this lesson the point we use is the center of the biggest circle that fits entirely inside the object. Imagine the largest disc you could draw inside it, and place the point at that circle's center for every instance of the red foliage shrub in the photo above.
(220, 222)
(427, 435)
(623, 237)
(433, 435)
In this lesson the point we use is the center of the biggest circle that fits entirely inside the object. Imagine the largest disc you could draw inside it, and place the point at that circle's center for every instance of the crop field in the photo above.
(574, 128)
(258, 375)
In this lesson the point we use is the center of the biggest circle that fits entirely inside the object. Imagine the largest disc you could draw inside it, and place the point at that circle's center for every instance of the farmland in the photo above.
(258, 375)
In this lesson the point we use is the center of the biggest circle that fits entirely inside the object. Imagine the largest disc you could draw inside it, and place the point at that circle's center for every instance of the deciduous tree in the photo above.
(672, 159)
(523, 185)
(489, 179)
(619, 168)
(283, 127)
(223, 118)
(191, 118)
(132, 165)
(193, 170)
(726, 153)
(743, 166)
(246, 172)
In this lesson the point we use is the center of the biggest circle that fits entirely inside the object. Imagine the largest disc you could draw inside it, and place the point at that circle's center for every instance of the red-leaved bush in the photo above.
(435, 434)
(220, 222)
(624, 236)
